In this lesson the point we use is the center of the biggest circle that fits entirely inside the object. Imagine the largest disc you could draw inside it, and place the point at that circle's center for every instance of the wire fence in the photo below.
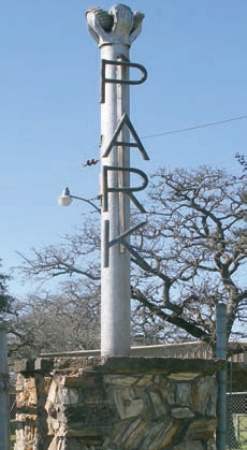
(237, 420)
(236, 401)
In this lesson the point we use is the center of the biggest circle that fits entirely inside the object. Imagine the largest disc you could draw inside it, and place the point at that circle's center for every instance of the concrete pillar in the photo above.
(114, 32)
(4, 394)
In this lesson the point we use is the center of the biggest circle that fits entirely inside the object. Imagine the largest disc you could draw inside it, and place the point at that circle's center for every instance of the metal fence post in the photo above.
(4, 394)
(221, 376)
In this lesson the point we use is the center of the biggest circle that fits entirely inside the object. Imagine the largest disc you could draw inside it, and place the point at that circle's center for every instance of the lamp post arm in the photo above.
(88, 201)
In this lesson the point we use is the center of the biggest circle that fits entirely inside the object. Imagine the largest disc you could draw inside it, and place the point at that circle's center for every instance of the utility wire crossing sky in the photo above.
(197, 127)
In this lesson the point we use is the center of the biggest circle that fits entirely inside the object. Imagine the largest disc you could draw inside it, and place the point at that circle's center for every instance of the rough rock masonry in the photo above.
(120, 404)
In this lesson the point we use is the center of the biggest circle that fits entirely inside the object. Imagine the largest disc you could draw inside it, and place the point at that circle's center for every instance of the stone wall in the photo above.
(122, 404)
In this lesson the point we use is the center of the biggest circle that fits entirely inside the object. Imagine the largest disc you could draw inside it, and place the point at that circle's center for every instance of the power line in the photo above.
(195, 127)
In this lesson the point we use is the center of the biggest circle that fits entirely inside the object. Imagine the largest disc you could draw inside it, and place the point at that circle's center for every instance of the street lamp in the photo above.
(66, 198)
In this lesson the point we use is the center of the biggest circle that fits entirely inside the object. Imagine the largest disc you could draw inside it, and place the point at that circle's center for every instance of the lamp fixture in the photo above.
(65, 199)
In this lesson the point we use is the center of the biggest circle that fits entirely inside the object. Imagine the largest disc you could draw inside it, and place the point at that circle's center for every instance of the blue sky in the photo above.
(195, 54)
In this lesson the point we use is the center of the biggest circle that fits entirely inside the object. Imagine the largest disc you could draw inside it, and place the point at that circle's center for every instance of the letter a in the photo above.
(125, 120)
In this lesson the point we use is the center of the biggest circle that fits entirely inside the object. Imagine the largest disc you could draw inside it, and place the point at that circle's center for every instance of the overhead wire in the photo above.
(183, 130)
(195, 127)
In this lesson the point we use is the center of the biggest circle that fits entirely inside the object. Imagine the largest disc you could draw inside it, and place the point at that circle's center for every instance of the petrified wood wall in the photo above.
(122, 404)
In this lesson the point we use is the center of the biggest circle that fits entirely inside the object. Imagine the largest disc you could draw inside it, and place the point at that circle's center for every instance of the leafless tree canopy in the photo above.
(53, 323)
(6, 301)
(195, 250)
(193, 255)
(241, 158)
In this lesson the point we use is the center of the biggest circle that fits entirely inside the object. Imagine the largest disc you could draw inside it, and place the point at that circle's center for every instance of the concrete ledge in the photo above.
(160, 365)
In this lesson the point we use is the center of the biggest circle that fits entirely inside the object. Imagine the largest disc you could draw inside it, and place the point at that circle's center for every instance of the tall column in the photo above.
(114, 31)
(4, 394)
(221, 353)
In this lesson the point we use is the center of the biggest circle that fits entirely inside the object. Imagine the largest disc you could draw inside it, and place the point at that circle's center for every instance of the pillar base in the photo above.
(123, 403)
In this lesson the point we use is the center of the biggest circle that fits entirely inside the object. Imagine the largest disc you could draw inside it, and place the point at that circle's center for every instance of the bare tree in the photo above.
(241, 158)
(194, 251)
(192, 255)
(77, 256)
(6, 300)
(66, 321)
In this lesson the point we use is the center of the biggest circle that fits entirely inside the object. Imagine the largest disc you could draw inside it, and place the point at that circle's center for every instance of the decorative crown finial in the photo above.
(118, 26)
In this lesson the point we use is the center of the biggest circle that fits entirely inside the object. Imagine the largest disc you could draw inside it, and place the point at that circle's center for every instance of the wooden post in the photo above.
(4, 394)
